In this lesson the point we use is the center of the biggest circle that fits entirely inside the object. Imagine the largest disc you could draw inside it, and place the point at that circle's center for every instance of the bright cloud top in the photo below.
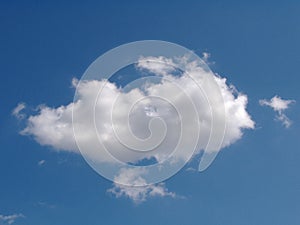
(279, 105)
(53, 126)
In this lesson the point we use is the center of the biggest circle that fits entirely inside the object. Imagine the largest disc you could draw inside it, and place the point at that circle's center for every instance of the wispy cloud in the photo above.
(10, 219)
(45, 205)
(41, 162)
(17, 112)
(205, 56)
(279, 105)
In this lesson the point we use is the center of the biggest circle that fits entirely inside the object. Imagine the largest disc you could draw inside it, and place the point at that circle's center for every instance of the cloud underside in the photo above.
(279, 105)
(139, 193)
(53, 126)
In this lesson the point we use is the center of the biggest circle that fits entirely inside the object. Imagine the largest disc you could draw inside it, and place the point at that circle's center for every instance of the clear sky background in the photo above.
(255, 45)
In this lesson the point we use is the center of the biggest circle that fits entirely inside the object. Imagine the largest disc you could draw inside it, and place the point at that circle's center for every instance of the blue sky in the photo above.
(254, 45)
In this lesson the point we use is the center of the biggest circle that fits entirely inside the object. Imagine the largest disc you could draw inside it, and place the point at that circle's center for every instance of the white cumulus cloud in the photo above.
(53, 126)
(279, 105)
(138, 193)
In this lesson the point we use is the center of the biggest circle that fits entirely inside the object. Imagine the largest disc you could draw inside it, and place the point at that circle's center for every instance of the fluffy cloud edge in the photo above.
(138, 194)
(141, 194)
